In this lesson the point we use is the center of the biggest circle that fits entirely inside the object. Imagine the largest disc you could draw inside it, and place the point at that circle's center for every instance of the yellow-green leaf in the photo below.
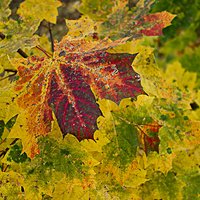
(81, 27)
(18, 35)
(37, 9)
(4, 10)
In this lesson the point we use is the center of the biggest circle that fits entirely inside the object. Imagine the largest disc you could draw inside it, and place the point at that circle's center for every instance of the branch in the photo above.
(22, 53)
(51, 37)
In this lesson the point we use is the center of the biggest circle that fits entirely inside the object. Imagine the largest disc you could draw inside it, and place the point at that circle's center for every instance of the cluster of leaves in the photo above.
(80, 122)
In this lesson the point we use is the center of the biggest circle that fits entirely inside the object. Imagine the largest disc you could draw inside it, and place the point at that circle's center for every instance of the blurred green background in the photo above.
(181, 40)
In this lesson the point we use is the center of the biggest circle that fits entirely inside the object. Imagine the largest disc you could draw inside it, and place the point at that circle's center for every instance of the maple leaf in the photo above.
(154, 23)
(64, 84)
(36, 9)
(150, 137)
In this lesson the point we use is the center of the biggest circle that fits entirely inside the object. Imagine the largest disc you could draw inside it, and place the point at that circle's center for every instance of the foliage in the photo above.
(104, 115)
(183, 34)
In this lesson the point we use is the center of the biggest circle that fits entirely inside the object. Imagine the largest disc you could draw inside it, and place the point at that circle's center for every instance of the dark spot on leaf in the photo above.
(22, 188)
(64, 152)
(169, 150)
(148, 60)
(132, 99)
(95, 36)
(185, 118)
(163, 117)
(8, 36)
(62, 53)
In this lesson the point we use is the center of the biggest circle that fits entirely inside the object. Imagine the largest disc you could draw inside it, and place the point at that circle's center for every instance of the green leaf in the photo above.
(66, 157)
(11, 123)
(191, 190)
(15, 154)
(190, 60)
(122, 148)
(162, 186)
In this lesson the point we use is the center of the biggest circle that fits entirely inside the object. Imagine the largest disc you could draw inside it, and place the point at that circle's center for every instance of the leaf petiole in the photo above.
(49, 55)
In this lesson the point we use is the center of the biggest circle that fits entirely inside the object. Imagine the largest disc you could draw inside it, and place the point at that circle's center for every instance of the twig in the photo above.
(9, 70)
(51, 37)
(22, 53)
(4, 167)
(3, 153)
(14, 141)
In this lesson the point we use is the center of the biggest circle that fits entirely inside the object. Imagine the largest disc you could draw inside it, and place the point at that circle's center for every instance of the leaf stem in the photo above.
(49, 55)
(22, 53)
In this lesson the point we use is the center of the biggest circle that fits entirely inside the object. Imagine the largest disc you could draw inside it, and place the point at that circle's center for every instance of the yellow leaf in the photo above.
(20, 130)
(107, 106)
(159, 162)
(56, 132)
(95, 145)
(144, 100)
(8, 108)
(10, 185)
(37, 9)
(177, 75)
(81, 27)
(5, 63)
(67, 190)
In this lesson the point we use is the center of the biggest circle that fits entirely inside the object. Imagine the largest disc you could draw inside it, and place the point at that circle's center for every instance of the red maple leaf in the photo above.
(150, 138)
(153, 24)
(64, 84)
